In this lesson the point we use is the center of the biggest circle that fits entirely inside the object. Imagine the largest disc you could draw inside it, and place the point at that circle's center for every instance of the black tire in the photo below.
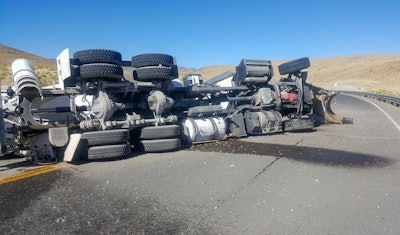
(99, 70)
(294, 66)
(157, 132)
(156, 73)
(96, 56)
(152, 59)
(298, 124)
(159, 145)
(105, 137)
(109, 151)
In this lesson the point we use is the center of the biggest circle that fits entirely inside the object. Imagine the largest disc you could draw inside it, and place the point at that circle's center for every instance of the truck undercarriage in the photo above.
(95, 113)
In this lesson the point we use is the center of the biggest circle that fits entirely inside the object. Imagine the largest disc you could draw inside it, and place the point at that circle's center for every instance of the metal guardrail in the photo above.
(393, 100)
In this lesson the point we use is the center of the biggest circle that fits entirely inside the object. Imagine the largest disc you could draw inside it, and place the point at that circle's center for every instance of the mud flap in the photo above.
(65, 78)
(322, 107)
(70, 151)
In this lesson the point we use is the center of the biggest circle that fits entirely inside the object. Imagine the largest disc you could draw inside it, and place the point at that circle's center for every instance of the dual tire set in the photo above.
(97, 64)
(106, 144)
(154, 67)
(157, 138)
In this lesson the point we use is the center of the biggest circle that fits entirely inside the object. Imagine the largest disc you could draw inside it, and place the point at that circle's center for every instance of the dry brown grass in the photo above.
(46, 69)
(373, 73)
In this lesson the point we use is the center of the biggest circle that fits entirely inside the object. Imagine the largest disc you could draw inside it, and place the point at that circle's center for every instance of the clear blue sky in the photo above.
(203, 32)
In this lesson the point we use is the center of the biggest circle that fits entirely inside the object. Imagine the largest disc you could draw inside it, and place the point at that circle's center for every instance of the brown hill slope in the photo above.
(374, 73)
(46, 69)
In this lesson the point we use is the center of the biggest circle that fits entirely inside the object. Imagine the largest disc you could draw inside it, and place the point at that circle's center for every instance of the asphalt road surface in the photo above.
(337, 179)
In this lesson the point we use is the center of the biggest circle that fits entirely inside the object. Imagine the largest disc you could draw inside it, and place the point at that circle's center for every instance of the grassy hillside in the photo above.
(373, 73)
(46, 69)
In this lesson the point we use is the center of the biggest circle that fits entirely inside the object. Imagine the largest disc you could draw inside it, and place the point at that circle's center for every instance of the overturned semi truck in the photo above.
(104, 107)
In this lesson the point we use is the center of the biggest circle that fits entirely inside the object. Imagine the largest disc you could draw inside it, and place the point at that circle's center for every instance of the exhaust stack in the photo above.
(26, 82)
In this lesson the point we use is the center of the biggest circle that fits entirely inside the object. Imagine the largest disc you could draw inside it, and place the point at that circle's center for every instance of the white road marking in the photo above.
(384, 112)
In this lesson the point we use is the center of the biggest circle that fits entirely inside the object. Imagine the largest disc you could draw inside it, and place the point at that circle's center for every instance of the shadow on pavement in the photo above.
(299, 153)
(12, 161)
